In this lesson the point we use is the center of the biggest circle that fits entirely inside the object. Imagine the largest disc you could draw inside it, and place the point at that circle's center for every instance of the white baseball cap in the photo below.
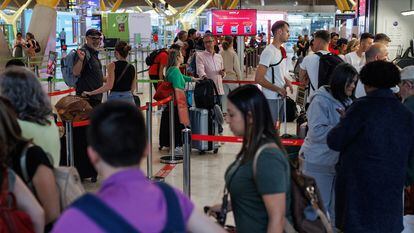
(407, 73)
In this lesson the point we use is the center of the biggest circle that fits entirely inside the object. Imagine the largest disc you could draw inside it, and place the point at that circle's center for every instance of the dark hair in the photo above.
(23, 89)
(341, 77)
(18, 34)
(278, 25)
(15, 62)
(380, 74)
(181, 34)
(227, 43)
(381, 37)
(333, 34)
(30, 35)
(176, 47)
(117, 133)
(323, 35)
(341, 42)
(122, 48)
(11, 140)
(366, 35)
(252, 103)
(207, 32)
(192, 31)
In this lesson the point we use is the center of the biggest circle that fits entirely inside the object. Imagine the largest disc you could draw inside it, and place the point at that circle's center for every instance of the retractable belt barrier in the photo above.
(234, 139)
(56, 93)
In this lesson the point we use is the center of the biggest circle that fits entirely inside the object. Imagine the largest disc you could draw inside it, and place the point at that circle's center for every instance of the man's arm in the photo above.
(262, 81)
(200, 66)
(77, 68)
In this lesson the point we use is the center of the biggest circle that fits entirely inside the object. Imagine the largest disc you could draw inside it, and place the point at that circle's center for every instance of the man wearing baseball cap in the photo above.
(407, 87)
(88, 67)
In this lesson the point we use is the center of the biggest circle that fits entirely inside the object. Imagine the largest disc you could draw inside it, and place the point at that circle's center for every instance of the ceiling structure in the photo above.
(15, 4)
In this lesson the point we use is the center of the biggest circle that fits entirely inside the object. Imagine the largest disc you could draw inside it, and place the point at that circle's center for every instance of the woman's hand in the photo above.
(86, 94)
(194, 79)
(213, 210)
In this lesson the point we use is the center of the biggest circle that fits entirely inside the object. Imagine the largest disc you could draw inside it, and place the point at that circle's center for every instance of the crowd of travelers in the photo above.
(359, 147)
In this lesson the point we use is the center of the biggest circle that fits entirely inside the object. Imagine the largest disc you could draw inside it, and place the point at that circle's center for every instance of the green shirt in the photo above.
(409, 103)
(177, 79)
(272, 177)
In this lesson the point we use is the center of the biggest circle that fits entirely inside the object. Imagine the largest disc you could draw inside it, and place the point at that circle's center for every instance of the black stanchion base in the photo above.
(170, 160)
(157, 179)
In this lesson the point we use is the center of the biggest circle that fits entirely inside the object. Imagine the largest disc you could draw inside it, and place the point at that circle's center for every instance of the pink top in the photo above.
(209, 65)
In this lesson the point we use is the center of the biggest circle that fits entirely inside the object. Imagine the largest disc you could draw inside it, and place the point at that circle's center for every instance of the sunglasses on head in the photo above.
(208, 41)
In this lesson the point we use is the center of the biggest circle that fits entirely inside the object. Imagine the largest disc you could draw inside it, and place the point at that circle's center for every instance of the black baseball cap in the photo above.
(93, 32)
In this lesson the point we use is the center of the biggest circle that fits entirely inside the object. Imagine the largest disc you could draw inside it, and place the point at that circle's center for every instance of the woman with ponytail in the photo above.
(121, 79)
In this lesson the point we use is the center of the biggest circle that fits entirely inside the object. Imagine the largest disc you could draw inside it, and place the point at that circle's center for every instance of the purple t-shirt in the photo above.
(132, 196)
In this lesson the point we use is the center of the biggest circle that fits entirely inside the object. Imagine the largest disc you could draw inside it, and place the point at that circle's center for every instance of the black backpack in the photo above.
(149, 60)
(291, 109)
(205, 94)
(327, 63)
(37, 46)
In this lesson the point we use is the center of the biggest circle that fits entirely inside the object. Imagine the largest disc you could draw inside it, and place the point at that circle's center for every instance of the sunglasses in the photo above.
(208, 41)
(95, 37)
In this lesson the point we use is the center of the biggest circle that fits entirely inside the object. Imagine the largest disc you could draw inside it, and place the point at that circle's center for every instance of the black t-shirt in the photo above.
(123, 83)
(91, 77)
(35, 156)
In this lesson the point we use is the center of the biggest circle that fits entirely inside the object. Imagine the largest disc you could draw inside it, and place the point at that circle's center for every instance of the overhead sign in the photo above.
(234, 22)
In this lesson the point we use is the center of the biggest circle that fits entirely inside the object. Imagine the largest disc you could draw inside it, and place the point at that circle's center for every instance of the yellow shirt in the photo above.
(45, 136)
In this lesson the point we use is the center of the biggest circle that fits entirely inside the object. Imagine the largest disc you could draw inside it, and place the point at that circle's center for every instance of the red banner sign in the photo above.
(234, 22)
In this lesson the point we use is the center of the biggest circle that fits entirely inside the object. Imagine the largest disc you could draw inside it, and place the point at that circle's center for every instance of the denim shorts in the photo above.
(121, 96)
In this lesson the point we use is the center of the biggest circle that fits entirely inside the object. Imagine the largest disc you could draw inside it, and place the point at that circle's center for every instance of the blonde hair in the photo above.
(352, 44)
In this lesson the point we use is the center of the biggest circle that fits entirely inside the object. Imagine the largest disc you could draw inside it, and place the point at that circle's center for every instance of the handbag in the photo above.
(164, 90)
(12, 219)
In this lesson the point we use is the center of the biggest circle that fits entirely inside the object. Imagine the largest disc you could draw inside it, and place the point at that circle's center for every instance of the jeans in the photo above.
(325, 180)
(276, 109)
(228, 87)
(121, 96)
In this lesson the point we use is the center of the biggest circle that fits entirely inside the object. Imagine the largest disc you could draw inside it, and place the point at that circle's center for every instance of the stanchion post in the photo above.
(173, 158)
(149, 135)
(69, 144)
(284, 117)
(187, 162)
(172, 130)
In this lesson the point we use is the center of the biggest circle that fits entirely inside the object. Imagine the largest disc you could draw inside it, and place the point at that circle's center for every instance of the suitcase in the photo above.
(202, 123)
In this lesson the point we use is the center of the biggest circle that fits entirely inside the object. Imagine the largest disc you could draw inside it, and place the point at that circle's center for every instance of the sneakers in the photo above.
(179, 150)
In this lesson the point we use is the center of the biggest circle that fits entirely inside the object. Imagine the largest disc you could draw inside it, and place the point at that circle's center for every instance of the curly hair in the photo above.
(20, 86)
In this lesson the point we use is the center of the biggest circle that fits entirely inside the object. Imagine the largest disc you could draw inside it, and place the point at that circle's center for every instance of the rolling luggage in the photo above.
(202, 122)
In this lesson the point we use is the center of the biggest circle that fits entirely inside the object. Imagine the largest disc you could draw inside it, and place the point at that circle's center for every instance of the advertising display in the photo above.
(234, 22)
(51, 63)
(118, 26)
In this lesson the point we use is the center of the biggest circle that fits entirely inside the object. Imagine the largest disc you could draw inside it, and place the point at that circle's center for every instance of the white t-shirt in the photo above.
(272, 55)
(356, 61)
(311, 64)
(360, 90)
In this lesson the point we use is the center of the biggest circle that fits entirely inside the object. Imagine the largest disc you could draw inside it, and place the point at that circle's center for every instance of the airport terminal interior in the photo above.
(331, 81)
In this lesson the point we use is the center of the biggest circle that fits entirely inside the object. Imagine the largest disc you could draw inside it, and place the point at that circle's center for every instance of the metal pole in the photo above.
(172, 130)
(172, 159)
(284, 117)
(149, 135)
(187, 162)
(136, 67)
(69, 144)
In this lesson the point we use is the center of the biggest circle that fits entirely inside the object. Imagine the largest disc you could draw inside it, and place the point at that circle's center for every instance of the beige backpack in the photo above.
(67, 180)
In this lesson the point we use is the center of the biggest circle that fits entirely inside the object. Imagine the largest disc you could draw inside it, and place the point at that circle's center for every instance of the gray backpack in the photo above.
(67, 64)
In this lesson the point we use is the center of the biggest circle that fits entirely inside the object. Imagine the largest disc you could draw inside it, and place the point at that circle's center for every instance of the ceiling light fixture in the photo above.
(410, 12)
